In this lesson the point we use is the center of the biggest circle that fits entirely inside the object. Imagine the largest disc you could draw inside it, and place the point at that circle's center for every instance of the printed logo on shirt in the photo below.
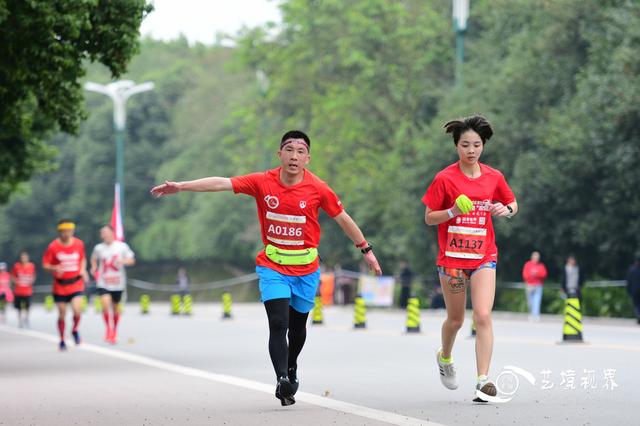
(110, 265)
(484, 205)
(303, 204)
(272, 201)
(69, 261)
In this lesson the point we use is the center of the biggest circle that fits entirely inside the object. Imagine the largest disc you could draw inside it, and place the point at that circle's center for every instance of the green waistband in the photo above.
(291, 257)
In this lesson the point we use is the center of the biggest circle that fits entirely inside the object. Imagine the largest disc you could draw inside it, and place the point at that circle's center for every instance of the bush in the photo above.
(596, 301)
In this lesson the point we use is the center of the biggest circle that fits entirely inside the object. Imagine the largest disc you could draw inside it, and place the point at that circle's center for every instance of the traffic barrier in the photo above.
(572, 329)
(48, 303)
(226, 305)
(97, 305)
(84, 303)
(145, 301)
(360, 313)
(175, 304)
(317, 317)
(187, 302)
(473, 328)
(413, 315)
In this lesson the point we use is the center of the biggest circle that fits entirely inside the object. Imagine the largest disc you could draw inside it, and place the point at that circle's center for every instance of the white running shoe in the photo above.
(447, 372)
(485, 388)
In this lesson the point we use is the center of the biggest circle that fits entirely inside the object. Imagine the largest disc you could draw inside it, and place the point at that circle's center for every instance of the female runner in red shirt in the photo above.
(461, 200)
(23, 275)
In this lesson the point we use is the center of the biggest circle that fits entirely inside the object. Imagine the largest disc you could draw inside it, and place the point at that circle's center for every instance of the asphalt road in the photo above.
(202, 370)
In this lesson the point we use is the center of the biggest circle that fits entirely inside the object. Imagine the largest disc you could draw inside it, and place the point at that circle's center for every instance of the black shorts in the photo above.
(22, 302)
(116, 295)
(58, 298)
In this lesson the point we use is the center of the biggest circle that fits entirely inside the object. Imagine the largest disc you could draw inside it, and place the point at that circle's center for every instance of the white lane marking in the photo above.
(332, 404)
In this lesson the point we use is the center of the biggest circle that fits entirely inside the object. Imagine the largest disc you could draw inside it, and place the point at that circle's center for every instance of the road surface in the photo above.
(200, 370)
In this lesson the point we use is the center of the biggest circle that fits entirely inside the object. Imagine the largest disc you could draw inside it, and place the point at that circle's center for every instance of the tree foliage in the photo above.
(44, 46)
(372, 83)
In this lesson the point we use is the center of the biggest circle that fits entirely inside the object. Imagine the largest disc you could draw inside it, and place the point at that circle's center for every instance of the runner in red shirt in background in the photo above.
(23, 274)
(66, 260)
(6, 295)
(461, 200)
(534, 273)
(288, 199)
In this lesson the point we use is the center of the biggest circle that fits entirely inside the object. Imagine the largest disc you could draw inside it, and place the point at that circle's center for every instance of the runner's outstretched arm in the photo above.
(208, 184)
(352, 231)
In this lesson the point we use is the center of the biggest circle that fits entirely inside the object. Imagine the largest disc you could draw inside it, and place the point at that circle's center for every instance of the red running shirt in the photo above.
(5, 289)
(23, 277)
(71, 258)
(534, 273)
(288, 214)
(467, 241)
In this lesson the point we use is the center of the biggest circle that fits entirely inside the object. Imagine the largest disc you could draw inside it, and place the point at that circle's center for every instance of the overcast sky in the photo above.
(200, 20)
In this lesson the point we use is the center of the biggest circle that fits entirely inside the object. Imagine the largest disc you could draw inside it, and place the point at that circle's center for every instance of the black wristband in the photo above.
(367, 249)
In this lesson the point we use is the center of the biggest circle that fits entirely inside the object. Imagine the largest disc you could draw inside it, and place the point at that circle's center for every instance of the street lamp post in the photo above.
(263, 87)
(460, 17)
(119, 92)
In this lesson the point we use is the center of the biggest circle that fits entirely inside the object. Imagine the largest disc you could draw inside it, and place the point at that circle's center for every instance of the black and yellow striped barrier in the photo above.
(473, 328)
(187, 304)
(413, 315)
(48, 303)
(360, 313)
(572, 330)
(97, 304)
(84, 303)
(317, 316)
(226, 305)
(175, 304)
(145, 301)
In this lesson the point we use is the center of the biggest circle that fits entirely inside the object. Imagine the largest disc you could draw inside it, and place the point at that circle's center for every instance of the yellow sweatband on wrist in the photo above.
(464, 204)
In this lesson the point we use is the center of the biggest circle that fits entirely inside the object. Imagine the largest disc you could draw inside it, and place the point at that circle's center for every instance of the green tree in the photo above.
(44, 47)
(364, 78)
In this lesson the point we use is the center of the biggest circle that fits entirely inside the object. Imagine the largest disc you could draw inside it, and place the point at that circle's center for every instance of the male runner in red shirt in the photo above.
(23, 274)
(288, 199)
(66, 260)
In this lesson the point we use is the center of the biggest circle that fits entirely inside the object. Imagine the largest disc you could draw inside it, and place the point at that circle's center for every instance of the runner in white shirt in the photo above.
(108, 262)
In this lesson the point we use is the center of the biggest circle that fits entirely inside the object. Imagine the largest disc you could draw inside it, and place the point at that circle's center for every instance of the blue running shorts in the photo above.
(301, 290)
